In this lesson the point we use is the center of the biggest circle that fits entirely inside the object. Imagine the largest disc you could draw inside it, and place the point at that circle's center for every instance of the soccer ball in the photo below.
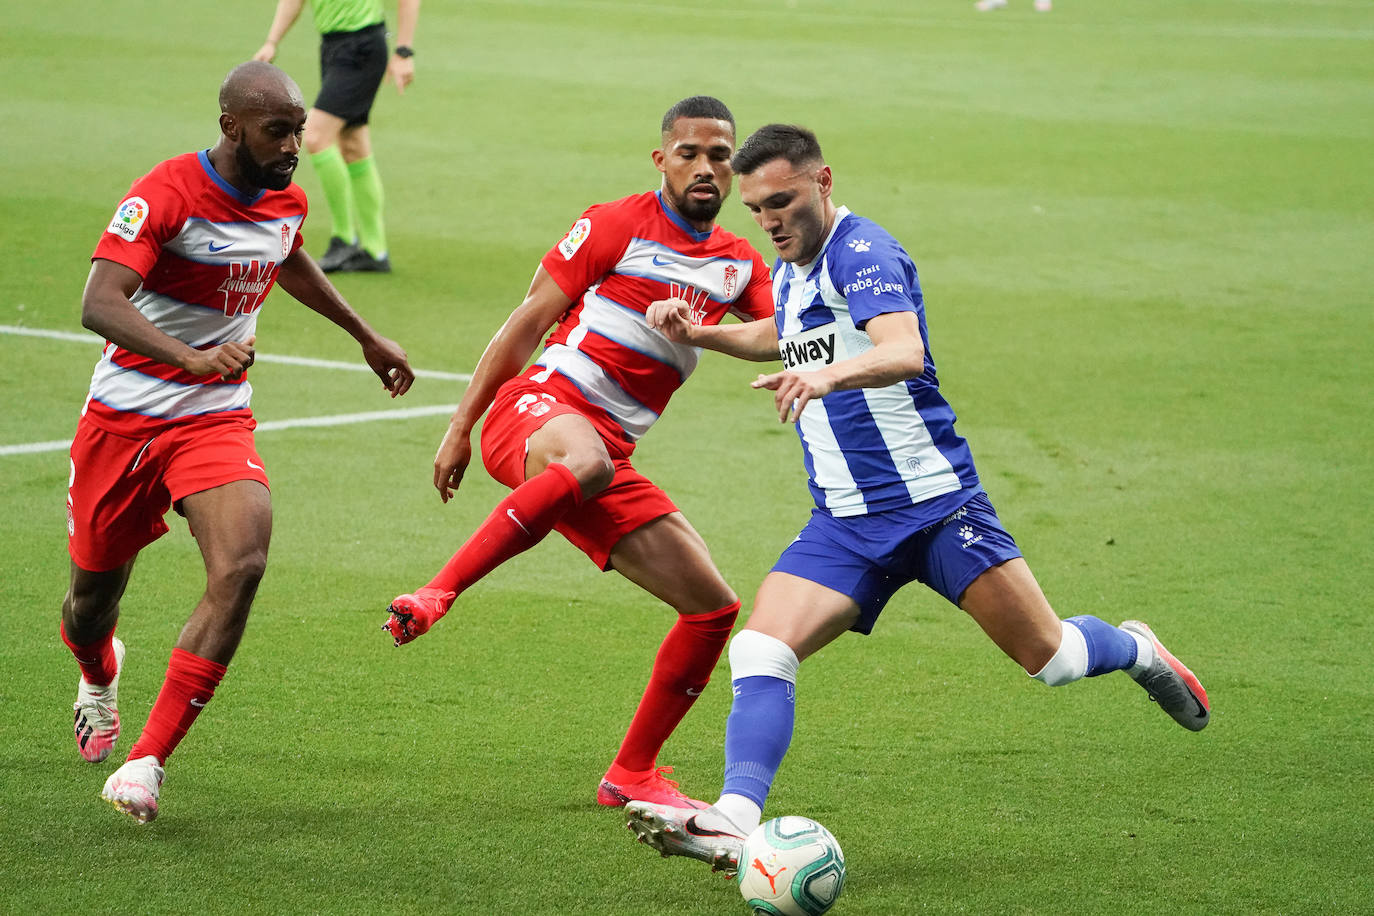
(790, 866)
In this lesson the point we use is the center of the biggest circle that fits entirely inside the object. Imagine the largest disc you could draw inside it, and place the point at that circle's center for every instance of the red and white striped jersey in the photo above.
(208, 256)
(618, 258)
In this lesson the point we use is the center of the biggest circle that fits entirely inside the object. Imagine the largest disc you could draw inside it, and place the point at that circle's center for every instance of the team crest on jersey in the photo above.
(285, 241)
(575, 237)
(731, 279)
(129, 219)
(245, 286)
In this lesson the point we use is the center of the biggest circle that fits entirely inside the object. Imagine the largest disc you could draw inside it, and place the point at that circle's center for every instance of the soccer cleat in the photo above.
(656, 788)
(1170, 683)
(359, 261)
(1042, 6)
(984, 6)
(413, 614)
(338, 254)
(96, 720)
(134, 788)
(706, 834)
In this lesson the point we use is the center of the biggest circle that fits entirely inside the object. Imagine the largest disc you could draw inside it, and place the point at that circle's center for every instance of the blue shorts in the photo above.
(869, 557)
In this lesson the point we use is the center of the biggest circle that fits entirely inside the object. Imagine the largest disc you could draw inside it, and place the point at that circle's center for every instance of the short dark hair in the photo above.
(796, 144)
(698, 106)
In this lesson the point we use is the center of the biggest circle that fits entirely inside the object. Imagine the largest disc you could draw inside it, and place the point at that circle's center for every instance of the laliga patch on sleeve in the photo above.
(129, 219)
(573, 240)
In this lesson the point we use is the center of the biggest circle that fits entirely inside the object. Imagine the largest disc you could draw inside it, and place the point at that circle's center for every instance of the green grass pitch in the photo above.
(1145, 235)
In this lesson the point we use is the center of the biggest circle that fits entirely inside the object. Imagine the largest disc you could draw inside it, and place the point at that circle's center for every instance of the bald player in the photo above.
(175, 286)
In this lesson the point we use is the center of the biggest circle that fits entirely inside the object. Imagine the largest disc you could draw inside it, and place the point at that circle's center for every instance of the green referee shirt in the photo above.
(345, 15)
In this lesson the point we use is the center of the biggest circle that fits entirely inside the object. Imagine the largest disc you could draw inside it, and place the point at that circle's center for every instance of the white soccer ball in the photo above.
(790, 866)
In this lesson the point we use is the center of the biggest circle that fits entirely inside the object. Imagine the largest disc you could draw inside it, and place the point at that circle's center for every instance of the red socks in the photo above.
(190, 683)
(518, 522)
(681, 670)
(97, 659)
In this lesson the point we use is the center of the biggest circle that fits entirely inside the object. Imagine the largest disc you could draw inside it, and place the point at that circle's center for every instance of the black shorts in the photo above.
(352, 65)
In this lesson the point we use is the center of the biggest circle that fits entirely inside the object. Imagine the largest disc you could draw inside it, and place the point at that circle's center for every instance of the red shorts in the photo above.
(520, 408)
(120, 488)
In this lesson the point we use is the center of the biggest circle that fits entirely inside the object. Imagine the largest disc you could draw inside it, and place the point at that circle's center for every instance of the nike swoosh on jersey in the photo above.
(661, 263)
(213, 247)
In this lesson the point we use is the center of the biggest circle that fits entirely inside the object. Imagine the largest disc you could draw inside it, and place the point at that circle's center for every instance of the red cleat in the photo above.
(655, 787)
(412, 615)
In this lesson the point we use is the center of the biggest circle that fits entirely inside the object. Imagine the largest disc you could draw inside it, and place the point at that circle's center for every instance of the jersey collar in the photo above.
(226, 187)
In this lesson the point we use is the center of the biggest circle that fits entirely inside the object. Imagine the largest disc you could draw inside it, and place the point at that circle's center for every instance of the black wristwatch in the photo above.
(405, 51)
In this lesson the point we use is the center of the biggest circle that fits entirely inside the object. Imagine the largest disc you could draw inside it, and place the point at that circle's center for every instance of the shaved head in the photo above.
(258, 86)
(261, 122)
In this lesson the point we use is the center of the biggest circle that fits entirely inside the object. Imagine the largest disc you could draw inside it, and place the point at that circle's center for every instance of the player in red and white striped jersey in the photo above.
(175, 287)
(560, 433)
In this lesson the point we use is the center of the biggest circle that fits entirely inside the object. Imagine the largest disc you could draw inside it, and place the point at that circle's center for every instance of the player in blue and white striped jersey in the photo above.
(897, 496)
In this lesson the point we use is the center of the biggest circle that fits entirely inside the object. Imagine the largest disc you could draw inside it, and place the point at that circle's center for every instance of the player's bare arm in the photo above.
(107, 310)
(401, 70)
(897, 354)
(282, 20)
(752, 340)
(505, 357)
(302, 278)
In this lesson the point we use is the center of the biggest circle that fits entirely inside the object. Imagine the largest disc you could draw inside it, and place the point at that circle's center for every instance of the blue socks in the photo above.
(757, 735)
(1109, 648)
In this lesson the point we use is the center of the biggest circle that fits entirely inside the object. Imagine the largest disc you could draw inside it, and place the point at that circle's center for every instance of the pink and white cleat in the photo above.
(134, 788)
(655, 787)
(1170, 684)
(96, 720)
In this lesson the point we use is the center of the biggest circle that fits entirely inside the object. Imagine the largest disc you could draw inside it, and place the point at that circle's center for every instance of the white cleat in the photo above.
(134, 788)
(96, 720)
(706, 834)
(984, 6)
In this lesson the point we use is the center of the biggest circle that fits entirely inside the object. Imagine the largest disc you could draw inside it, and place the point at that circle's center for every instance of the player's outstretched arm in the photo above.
(505, 356)
(751, 340)
(106, 310)
(285, 16)
(302, 278)
(897, 354)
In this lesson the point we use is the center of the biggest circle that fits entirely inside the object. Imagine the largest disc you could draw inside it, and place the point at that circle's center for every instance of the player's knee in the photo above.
(755, 654)
(594, 471)
(89, 611)
(237, 577)
(317, 139)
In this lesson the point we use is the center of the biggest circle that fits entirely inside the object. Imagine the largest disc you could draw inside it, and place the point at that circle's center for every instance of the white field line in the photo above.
(261, 357)
(404, 413)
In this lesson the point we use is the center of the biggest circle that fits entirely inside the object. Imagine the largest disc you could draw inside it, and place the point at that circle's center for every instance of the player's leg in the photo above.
(369, 198)
(565, 461)
(1006, 601)
(669, 559)
(793, 617)
(352, 66)
(115, 504)
(322, 131)
(90, 612)
(232, 524)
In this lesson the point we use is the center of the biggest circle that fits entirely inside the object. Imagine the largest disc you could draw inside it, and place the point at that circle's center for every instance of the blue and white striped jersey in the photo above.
(870, 449)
